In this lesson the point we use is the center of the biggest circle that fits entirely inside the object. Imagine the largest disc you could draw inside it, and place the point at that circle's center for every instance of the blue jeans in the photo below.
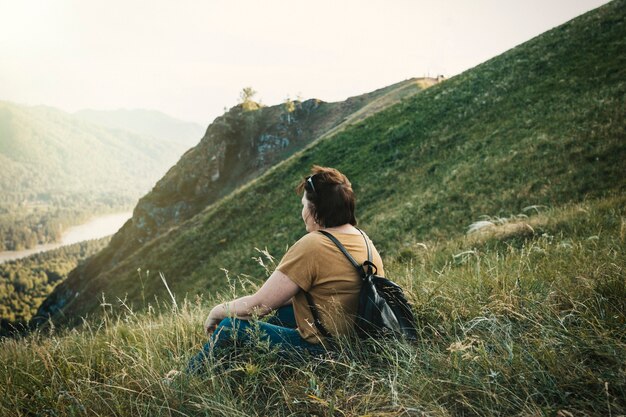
(280, 331)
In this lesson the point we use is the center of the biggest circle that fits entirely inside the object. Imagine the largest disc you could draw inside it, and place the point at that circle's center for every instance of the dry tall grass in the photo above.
(515, 327)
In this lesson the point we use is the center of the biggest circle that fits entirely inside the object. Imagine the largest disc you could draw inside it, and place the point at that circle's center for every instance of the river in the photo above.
(95, 228)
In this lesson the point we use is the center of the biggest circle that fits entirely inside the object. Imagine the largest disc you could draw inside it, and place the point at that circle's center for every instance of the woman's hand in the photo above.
(214, 318)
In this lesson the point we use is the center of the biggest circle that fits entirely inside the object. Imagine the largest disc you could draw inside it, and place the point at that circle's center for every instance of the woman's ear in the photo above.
(316, 219)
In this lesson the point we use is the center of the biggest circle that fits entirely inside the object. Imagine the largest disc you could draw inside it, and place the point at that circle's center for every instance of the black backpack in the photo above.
(383, 308)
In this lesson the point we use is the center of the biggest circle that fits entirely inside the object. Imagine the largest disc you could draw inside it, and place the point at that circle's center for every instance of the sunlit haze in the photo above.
(190, 59)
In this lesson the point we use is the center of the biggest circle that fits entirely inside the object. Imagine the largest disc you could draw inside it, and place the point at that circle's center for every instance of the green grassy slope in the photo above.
(525, 317)
(508, 326)
(393, 95)
(542, 124)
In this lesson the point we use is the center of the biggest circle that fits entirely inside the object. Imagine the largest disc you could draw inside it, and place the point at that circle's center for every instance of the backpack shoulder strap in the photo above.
(367, 245)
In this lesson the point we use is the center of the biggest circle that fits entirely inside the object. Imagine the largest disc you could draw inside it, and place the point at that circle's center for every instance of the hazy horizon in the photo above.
(191, 60)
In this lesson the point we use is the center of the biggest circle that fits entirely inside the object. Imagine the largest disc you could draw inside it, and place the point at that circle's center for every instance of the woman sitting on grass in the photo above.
(313, 265)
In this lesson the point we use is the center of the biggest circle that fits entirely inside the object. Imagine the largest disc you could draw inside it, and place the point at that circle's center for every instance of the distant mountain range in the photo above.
(542, 124)
(46, 150)
(54, 163)
(150, 123)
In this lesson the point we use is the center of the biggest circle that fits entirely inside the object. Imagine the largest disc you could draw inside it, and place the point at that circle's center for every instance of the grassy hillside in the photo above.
(522, 317)
(541, 125)
(510, 323)
(383, 98)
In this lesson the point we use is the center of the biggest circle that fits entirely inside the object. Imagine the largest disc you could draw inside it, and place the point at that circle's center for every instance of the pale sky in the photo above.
(190, 59)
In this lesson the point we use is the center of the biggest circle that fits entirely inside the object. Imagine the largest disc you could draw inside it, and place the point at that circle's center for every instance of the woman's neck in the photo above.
(344, 228)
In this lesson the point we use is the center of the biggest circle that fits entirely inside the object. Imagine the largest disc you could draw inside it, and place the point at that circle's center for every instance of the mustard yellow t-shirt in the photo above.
(319, 268)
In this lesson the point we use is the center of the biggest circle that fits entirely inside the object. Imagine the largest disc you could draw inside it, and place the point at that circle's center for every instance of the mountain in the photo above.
(57, 168)
(540, 125)
(149, 123)
(240, 146)
(52, 151)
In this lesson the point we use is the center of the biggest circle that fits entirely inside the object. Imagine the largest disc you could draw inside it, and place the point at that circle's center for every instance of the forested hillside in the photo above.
(59, 170)
(540, 125)
(26, 282)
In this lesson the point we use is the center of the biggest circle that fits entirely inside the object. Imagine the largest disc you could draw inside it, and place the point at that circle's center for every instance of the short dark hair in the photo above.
(330, 196)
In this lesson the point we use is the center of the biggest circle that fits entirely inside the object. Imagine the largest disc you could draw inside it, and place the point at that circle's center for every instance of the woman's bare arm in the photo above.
(275, 292)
